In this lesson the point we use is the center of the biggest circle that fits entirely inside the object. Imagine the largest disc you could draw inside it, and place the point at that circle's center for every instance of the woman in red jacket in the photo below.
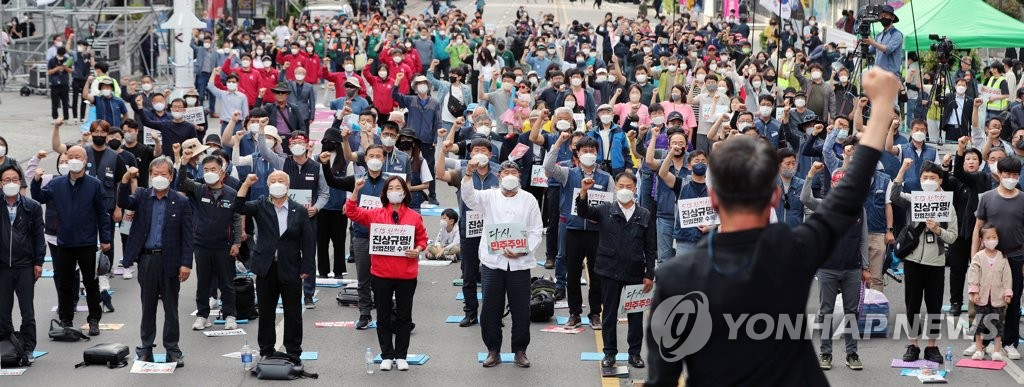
(382, 81)
(392, 273)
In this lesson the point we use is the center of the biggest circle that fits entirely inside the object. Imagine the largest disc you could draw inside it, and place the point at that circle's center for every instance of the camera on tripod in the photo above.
(868, 14)
(943, 48)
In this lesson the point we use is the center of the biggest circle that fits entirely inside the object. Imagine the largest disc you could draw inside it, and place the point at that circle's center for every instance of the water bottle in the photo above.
(949, 358)
(246, 356)
(369, 360)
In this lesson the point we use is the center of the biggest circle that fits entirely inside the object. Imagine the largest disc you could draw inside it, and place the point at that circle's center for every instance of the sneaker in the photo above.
(549, 264)
(364, 321)
(214, 303)
(998, 356)
(1011, 352)
(913, 353)
(979, 355)
(853, 361)
(385, 365)
(330, 275)
(595, 321)
(401, 364)
(309, 302)
(932, 354)
(574, 321)
(956, 308)
(969, 351)
(201, 323)
(825, 361)
(107, 301)
(128, 273)
(230, 323)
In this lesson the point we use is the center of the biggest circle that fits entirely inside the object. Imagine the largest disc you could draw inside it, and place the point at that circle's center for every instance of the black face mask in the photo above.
(114, 144)
(404, 145)
(1019, 144)
(99, 140)
(886, 22)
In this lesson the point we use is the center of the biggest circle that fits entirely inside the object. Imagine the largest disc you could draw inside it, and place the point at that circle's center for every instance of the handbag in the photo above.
(59, 332)
(455, 107)
(113, 356)
(12, 351)
(908, 240)
(281, 366)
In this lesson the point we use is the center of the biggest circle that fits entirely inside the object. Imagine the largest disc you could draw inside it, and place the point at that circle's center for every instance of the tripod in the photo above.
(941, 81)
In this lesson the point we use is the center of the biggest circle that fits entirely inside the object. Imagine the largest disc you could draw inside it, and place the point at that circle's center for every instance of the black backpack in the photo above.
(12, 351)
(245, 299)
(542, 299)
(281, 366)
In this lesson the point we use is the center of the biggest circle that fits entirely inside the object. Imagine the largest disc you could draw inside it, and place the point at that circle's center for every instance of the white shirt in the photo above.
(628, 212)
(282, 217)
(447, 238)
(498, 208)
(955, 117)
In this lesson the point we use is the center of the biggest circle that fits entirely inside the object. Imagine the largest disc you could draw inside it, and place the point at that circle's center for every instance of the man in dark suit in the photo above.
(163, 248)
(303, 95)
(956, 114)
(284, 115)
(283, 256)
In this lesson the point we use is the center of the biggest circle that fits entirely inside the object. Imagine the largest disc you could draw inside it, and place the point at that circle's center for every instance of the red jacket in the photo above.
(269, 81)
(249, 82)
(339, 79)
(310, 63)
(382, 90)
(386, 266)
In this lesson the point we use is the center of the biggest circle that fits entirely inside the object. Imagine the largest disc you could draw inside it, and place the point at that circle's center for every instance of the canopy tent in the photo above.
(968, 23)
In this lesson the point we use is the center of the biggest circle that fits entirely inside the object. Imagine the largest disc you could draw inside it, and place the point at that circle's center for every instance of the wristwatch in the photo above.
(890, 229)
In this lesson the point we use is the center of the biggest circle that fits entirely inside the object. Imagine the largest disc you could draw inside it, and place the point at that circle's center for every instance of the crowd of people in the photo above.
(587, 136)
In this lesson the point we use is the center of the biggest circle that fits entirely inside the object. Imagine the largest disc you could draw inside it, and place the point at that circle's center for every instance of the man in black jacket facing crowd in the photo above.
(22, 248)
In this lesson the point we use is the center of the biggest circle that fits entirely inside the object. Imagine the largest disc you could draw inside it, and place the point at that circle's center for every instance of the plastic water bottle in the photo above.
(369, 360)
(949, 358)
(246, 356)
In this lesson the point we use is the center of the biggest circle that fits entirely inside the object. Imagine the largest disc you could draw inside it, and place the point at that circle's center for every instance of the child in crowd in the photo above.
(988, 284)
(446, 244)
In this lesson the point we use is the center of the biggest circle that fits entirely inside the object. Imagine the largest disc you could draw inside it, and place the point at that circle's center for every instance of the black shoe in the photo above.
(559, 294)
(308, 300)
(932, 354)
(66, 324)
(434, 202)
(825, 361)
(94, 328)
(108, 304)
(470, 319)
(145, 355)
(521, 360)
(913, 353)
(493, 359)
(608, 361)
(350, 259)
(549, 264)
(853, 361)
(172, 358)
(956, 308)
(574, 321)
(636, 361)
(595, 321)
(364, 321)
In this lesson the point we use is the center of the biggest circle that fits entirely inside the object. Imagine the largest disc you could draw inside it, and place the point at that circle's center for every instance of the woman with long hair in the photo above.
(419, 175)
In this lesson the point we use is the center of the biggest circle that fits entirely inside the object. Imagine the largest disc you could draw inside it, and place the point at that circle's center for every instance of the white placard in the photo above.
(937, 206)
(195, 115)
(634, 300)
(302, 196)
(126, 222)
(12, 372)
(391, 239)
(368, 202)
(147, 135)
(594, 197)
(233, 332)
(711, 113)
(506, 235)
(474, 224)
(696, 212)
(989, 93)
(145, 367)
(537, 176)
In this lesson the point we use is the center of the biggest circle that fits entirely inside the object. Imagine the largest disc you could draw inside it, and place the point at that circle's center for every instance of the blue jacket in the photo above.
(80, 208)
(619, 152)
(425, 119)
(178, 230)
(688, 189)
(22, 243)
(912, 180)
(794, 215)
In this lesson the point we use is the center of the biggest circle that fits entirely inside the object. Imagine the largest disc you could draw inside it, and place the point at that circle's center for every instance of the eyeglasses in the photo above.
(9, 181)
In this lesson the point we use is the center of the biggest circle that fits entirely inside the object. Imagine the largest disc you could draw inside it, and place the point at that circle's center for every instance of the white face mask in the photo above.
(177, 115)
(298, 149)
(3, 151)
(484, 130)
(349, 68)
(929, 185)
(576, 81)
(671, 68)
(106, 92)
(506, 86)
(397, 59)
(206, 45)
(388, 141)
(246, 63)
(396, 197)
(443, 223)
(562, 125)
(382, 74)
(918, 136)
(800, 102)
(588, 159)
(993, 167)
(76, 165)
(600, 78)
(159, 106)
(295, 51)
(606, 118)
(510, 183)
(232, 86)
(658, 120)
(624, 195)
(159, 183)
(300, 77)
(701, 77)
(989, 243)
(211, 178)
(192, 101)
(480, 159)
(844, 78)
(12, 189)
(422, 89)
(147, 86)
(961, 89)
(789, 55)
(374, 164)
(278, 190)
(254, 128)
(570, 104)
(815, 75)
(756, 84)
(1008, 183)
(641, 78)
(765, 111)
(741, 126)
(63, 169)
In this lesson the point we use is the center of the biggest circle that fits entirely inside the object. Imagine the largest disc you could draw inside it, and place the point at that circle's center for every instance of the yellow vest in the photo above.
(994, 83)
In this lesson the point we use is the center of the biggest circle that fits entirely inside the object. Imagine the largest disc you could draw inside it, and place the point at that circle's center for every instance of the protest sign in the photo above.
(594, 197)
(696, 212)
(195, 115)
(937, 206)
(537, 176)
(368, 202)
(233, 332)
(474, 224)
(518, 152)
(145, 367)
(503, 236)
(391, 239)
(634, 300)
(302, 196)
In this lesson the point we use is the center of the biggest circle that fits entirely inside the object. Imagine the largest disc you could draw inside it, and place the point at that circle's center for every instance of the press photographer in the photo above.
(887, 46)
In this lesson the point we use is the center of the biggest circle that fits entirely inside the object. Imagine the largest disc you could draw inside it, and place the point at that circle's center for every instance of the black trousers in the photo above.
(18, 281)
(958, 258)
(470, 250)
(268, 289)
(77, 103)
(499, 285)
(157, 285)
(215, 268)
(539, 195)
(66, 278)
(925, 283)
(551, 207)
(393, 335)
(332, 225)
(59, 97)
(611, 290)
(582, 245)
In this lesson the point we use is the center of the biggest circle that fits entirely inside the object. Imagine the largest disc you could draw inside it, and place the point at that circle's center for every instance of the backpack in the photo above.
(63, 333)
(542, 299)
(281, 366)
(245, 298)
(12, 351)
(112, 355)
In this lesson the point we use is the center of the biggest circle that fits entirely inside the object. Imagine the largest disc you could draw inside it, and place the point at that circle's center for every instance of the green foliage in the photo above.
(1009, 7)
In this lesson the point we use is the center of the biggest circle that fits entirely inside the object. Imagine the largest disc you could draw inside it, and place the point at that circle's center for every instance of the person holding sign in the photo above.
(308, 186)
(280, 262)
(690, 188)
(626, 253)
(925, 271)
(581, 232)
(367, 196)
(505, 269)
(394, 253)
(175, 131)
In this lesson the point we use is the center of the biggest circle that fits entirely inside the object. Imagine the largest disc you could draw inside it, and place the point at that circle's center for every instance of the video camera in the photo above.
(868, 14)
(943, 48)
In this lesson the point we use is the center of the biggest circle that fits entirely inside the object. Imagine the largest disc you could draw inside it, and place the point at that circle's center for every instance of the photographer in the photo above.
(887, 46)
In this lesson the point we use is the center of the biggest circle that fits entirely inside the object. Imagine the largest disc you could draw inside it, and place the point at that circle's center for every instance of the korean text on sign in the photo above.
(503, 236)
(936, 206)
(391, 239)
(696, 212)
(474, 224)
(594, 197)
(634, 300)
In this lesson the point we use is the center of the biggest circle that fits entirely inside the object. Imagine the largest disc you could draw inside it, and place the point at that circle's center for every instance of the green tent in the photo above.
(968, 23)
